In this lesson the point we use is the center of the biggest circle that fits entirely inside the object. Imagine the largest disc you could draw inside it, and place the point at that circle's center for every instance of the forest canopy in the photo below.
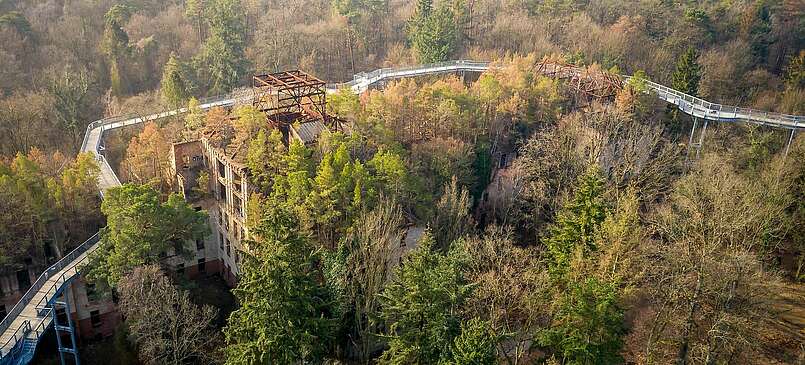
(472, 218)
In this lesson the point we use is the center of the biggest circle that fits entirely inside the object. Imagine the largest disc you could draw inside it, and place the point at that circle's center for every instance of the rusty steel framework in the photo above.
(285, 96)
(588, 81)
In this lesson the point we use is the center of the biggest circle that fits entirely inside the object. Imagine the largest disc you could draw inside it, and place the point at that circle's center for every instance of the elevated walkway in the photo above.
(362, 81)
(703, 109)
(688, 104)
(24, 325)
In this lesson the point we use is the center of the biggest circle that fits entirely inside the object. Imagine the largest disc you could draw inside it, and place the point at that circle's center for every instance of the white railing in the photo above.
(701, 108)
(687, 103)
(360, 82)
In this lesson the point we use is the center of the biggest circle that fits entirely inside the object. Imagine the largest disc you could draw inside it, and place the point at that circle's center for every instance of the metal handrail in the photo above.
(44, 277)
(19, 334)
(369, 78)
(690, 103)
(687, 103)
(40, 329)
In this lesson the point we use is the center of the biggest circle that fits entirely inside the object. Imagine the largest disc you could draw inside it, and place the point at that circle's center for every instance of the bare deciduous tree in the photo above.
(713, 295)
(166, 325)
(368, 265)
(508, 289)
(452, 218)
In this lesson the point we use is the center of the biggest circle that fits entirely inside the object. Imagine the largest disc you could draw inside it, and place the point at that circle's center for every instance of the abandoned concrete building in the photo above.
(212, 175)
(211, 170)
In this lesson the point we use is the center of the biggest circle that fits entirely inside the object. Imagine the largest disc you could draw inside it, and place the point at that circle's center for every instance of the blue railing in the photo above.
(70, 262)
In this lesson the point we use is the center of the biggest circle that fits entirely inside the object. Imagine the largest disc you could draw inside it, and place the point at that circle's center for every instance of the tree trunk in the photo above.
(715, 344)
(684, 347)
(351, 46)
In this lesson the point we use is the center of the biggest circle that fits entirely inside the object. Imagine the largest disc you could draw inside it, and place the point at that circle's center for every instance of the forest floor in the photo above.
(789, 337)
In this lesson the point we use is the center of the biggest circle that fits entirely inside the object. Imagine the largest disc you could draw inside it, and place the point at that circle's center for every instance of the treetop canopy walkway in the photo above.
(26, 322)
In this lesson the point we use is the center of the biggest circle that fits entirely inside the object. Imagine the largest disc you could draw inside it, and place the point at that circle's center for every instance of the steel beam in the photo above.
(69, 328)
(790, 139)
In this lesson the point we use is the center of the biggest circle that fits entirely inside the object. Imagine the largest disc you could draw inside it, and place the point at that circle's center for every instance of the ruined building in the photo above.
(211, 170)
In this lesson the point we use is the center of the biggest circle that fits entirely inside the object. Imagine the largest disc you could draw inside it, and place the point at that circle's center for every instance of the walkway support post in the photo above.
(59, 329)
(701, 139)
(690, 143)
(55, 315)
(790, 139)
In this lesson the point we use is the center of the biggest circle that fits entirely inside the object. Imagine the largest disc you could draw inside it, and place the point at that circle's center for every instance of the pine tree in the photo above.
(265, 159)
(222, 60)
(195, 118)
(221, 64)
(423, 8)
(174, 87)
(760, 33)
(194, 11)
(115, 45)
(421, 306)
(475, 345)
(324, 201)
(390, 171)
(298, 158)
(433, 33)
(687, 74)
(795, 72)
(18, 22)
(577, 224)
(284, 314)
(588, 325)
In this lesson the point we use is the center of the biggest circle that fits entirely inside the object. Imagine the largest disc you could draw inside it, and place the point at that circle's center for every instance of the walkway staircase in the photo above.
(24, 325)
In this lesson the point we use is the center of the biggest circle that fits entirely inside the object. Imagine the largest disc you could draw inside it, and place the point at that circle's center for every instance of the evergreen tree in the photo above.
(475, 345)
(421, 306)
(390, 172)
(576, 226)
(194, 11)
(687, 74)
(433, 33)
(249, 121)
(588, 324)
(115, 45)
(298, 157)
(760, 36)
(284, 308)
(265, 159)
(221, 64)
(222, 61)
(685, 79)
(174, 87)
(324, 201)
(196, 117)
(18, 22)
(424, 8)
(795, 72)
